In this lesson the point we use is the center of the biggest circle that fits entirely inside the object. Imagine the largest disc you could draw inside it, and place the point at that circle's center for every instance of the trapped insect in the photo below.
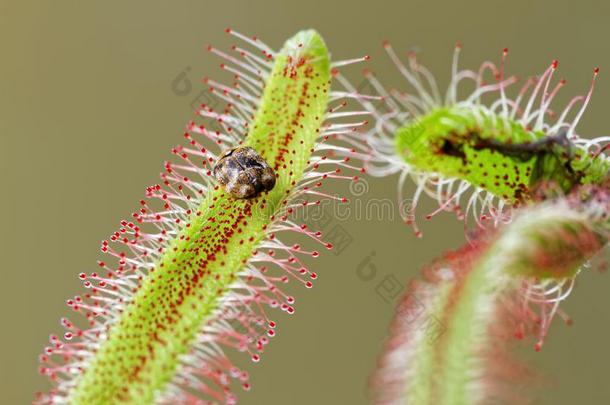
(244, 173)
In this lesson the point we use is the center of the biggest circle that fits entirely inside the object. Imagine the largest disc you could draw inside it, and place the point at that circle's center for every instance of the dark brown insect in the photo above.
(244, 173)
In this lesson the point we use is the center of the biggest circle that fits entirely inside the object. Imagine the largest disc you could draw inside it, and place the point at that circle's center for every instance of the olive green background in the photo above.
(88, 114)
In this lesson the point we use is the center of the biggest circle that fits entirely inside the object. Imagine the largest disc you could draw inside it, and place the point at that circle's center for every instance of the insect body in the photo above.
(244, 173)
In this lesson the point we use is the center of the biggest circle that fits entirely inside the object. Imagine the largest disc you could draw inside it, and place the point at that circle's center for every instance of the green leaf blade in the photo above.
(140, 353)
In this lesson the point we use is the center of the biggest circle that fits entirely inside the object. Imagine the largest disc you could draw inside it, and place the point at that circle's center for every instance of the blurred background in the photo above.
(94, 94)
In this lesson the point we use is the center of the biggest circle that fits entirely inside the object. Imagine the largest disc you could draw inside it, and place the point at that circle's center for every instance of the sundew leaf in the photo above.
(486, 153)
(501, 157)
(452, 334)
(193, 272)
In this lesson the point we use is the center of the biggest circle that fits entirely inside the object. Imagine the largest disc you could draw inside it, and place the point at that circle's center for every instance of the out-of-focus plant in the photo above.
(453, 332)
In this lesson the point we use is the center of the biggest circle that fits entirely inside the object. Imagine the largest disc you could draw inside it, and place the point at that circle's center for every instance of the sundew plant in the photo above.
(451, 338)
(483, 154)
(197, 274)
(536, 195)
